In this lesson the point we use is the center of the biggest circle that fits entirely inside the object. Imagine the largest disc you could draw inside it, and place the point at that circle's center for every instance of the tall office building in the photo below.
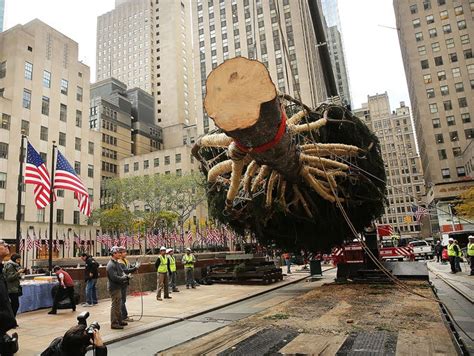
(278, 33)
(405, 185)
(2, 13)
(44, 92)
(147, 44)
(435, 39)
(336, 48)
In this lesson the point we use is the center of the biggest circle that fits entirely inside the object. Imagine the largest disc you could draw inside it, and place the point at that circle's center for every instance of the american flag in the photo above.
(22, 245)
(37, 174)
(65, 177)
(419, 212)
(189, 237)
(29, 242)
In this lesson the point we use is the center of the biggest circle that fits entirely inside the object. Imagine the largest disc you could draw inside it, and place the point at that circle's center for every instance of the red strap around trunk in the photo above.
(270, 144)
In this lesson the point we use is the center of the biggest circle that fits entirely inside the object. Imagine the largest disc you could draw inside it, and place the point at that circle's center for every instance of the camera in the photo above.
(8, 344)
(82, 320)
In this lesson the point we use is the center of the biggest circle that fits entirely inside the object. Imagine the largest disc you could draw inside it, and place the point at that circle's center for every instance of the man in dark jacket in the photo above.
(127, 269)
(116, 280)
(439, 252)
(7, 319)
(91, 273)
(12, 272)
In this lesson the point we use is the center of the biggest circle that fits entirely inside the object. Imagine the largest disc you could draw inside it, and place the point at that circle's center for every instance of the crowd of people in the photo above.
(455, 254)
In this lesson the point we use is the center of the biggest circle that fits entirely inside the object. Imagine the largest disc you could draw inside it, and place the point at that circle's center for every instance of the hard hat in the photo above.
(470, 237)
(122, 248)
(450, 239)
(162, 248)
(188, 249)
(168, 250)
(114, 249)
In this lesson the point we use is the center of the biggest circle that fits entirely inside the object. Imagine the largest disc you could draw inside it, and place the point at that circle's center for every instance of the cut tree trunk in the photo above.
(242, 100)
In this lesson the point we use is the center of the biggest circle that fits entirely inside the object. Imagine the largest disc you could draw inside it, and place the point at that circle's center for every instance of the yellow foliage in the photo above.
(466, 206)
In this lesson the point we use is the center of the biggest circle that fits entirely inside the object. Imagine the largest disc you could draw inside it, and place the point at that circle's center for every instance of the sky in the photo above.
(372, 51)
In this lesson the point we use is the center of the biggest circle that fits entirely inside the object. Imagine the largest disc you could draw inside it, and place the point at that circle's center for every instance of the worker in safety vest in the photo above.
(172, 274)
(188, 261)
(453, 251)
(458, 256)
(470, 253)
(162, 266)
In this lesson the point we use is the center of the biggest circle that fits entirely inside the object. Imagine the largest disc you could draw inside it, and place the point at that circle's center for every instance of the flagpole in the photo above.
(51, 211)
(20, 184)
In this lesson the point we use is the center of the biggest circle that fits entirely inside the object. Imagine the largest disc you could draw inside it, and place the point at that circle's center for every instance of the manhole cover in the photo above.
(369, 344)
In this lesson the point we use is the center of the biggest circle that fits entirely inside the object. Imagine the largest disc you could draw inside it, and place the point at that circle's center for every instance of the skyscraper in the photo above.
(336, 48)
(147, 44)
(279, 33)
(405, 185)
(435, 39)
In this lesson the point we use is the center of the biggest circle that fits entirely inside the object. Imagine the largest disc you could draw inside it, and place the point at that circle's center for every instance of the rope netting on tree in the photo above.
(274, 164)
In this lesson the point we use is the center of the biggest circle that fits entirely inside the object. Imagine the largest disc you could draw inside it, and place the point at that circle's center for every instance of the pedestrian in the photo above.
(7, 319)
(439, 252)
(127, 269)
(172, 275)
(116, 279)
(470, 253)
(65, 288)
(162, 266)
(13, 271)
(91, 274)
(188, 261)
(458, 256)
(452, 253)
(287, 257)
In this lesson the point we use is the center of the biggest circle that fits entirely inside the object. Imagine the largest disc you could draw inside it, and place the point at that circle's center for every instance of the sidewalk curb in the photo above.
(457, 289)
(156, 327)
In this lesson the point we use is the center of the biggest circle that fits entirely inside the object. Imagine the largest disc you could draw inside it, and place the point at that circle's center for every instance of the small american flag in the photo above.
(189, 237)
(37, 174)
(29, 242)
(22, 245)
(419, 212)
(65, 177)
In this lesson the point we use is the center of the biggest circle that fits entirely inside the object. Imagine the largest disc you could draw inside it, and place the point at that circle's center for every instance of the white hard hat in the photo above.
(168, 250)
(162, 248)
(470, 237)
(450, 239)
(188, 249)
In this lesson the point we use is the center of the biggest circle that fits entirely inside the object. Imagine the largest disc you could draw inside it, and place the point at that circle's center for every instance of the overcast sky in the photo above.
(372, 52)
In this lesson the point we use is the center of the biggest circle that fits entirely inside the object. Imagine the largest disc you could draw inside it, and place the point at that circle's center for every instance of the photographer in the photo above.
(75, 342)
(8, 345)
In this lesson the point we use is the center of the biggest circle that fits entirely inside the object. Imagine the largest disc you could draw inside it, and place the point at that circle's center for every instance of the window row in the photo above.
(436, 47)
(444, 89)
(442, 154)
(451, 121)
(460, 171)
(433, 32)
(453, 136)
(447, 105)
(458, 10)
(453, 58)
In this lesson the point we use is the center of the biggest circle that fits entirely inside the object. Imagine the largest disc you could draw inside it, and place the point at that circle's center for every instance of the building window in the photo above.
(421, 50)
(444, 90)
(427, 4)
(146, 164)
(453, 57)
(445, 173)
(456, 72)
(91, 148)
(424, 64)
(465, 39)
(178, 158)
(63, 112)
(62, 139)
(90, 171)
(442, 155)
(46, 79)
(2, 209)
(167, 160)
(5, 124)
(156, 162)
(469, 133)
(60, 216)
(26, 99)
(450, 43)
(461, 171)
(64, 86)
(459, 87)
(78, 118)
(418, 36)
(443, 14)
(25, 127)
(453, 136)
(416, 23)
(3, 180)
(135, 166)
(90, 191)
(3, 69)
(447, 29)
(126, 168)
(413, 9)
(447, 105)
(451, 121)
(441, 75)
(433, 33)
(76, 218)
(467, 53)
(77, 167)
(430, 93)
(439, 138)
(45, 106)
(44, 133)
(179, 172)
(435, 46)
(79, 94)
(3, 150)
(77, 144)
(457, 152)
(427, 78)
(462, 102)
(436, 123)
(28, 71)
(433, 108)
(438, 61)
(470, 69)
(462, 25)
(466, 118)
(40, 215)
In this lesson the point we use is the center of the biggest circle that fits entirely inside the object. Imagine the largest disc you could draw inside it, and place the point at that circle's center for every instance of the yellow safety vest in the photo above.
(470, 249)
(188, 261)
(172, 263)
(451, 251)
(163, 267)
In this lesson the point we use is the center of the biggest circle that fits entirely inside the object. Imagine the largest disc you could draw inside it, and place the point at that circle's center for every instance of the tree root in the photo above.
(308, 126)
(264, 170)
(237, 167)
(251, 169)
(302, 200)
(270, 185)
(219, 169)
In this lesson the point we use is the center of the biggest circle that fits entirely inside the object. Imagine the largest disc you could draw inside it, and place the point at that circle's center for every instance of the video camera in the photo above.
(82, 320)
(8, 344)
